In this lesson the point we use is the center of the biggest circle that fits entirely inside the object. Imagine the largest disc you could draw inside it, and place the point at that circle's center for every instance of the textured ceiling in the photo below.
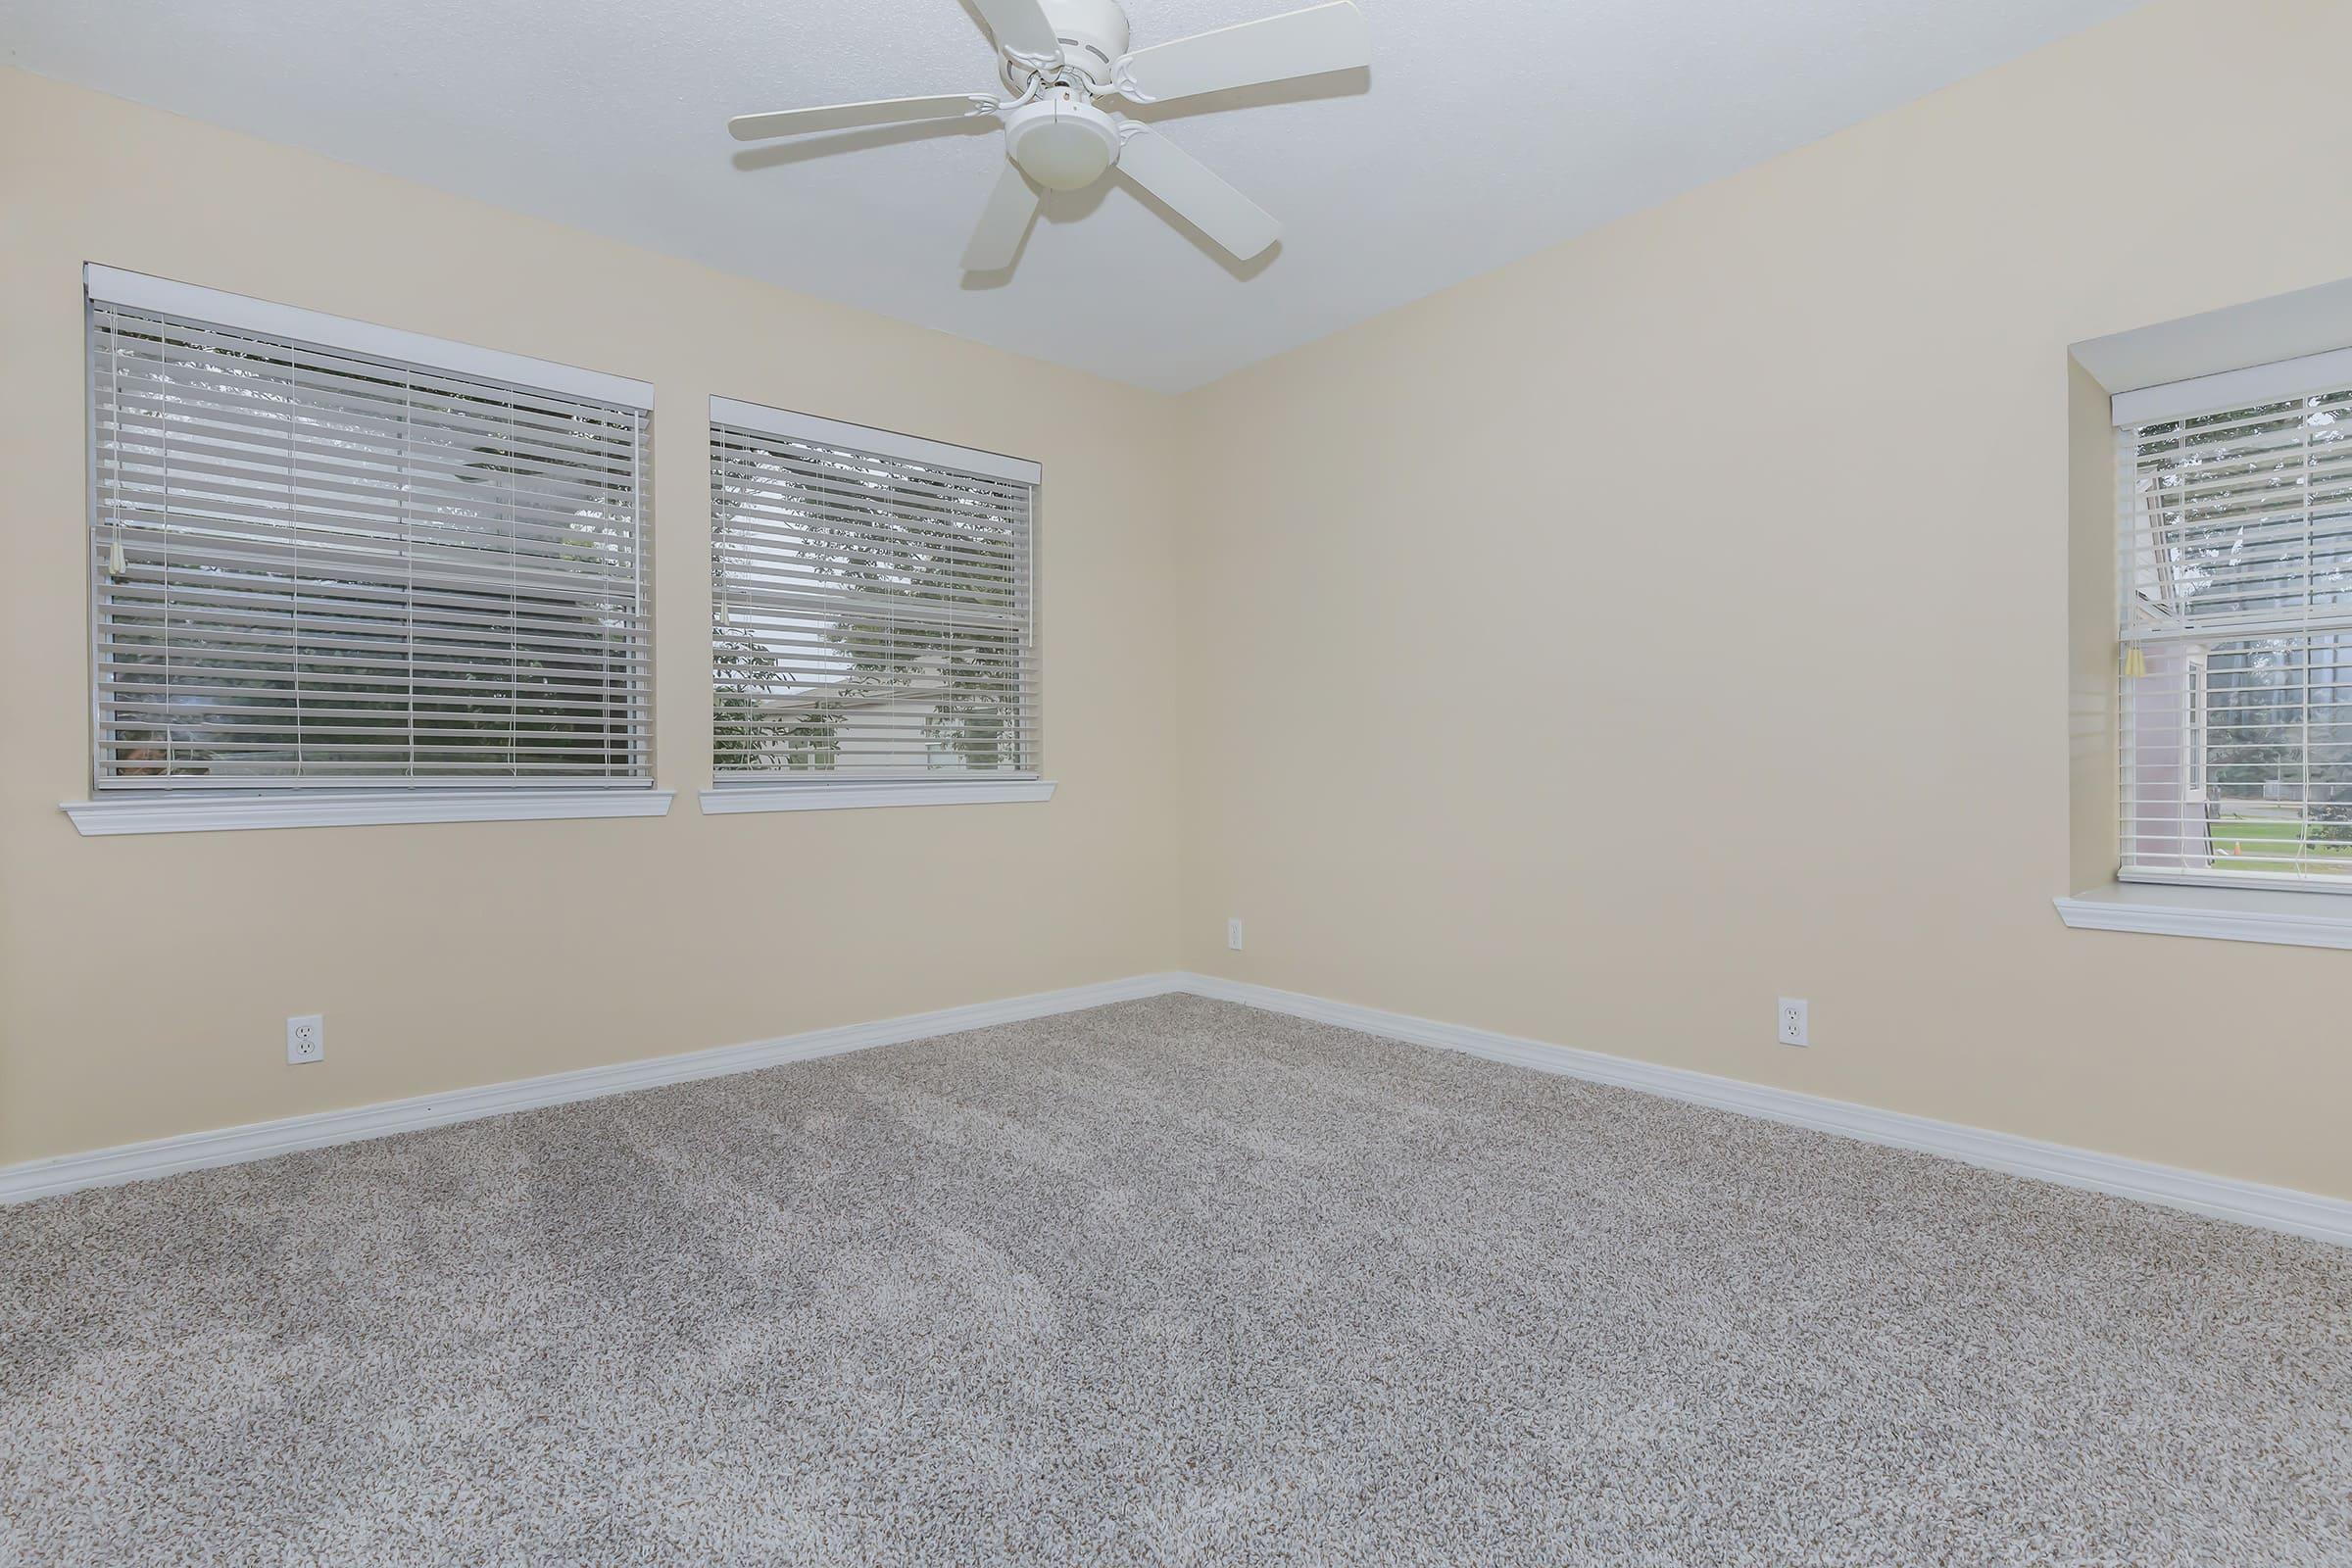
(1484, 129)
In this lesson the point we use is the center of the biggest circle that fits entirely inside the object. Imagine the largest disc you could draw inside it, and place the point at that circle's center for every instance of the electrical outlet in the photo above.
(1233, 934)
(1796, 1027)
(305, 1038)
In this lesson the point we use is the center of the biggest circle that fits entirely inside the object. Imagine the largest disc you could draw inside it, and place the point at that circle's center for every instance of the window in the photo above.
(2236, 690)
(872, 607)
(320, 567)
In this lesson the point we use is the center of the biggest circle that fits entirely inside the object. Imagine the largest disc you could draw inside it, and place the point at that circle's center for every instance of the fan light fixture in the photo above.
(1059, 57)
(1063, 142)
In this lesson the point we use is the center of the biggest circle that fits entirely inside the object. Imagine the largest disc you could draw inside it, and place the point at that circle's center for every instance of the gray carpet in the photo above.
(1169, 1281)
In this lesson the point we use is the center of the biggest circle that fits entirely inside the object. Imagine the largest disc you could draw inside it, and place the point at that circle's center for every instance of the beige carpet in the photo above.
(1169, 1282)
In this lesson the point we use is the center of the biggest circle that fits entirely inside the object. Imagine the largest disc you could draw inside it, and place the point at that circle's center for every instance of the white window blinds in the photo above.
(2236, 687)
(322, 567)
(873, 604)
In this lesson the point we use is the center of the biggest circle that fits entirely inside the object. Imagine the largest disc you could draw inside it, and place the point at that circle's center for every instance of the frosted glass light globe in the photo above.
(1062, 140)
(1063, 155)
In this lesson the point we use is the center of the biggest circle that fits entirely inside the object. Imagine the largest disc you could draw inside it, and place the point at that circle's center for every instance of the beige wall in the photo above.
(1678, 619)
(1595, 651)
(144, 981)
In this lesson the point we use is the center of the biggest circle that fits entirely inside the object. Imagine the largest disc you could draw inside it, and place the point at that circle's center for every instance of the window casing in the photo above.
(873, 614)
(2235, 707)
(320, 569)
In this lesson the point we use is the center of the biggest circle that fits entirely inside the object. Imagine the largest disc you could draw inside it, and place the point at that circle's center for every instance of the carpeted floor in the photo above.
(1169, 1281)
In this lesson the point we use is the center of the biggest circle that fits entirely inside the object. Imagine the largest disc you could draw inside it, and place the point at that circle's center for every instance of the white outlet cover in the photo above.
(1796, 1021)
(1233, 935)
(305, 1038)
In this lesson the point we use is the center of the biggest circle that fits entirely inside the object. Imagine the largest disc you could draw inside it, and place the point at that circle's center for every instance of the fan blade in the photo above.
(1002, 223)
(1298, 43)
(842, 116)
(1021, 30)
(1197, 196)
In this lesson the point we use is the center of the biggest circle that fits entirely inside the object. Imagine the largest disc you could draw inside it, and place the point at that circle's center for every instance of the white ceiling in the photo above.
(1486, 130)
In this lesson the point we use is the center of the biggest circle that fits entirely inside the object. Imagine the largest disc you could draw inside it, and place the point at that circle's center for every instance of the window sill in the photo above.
(2228, 914)
(849, 796)
(196, 813)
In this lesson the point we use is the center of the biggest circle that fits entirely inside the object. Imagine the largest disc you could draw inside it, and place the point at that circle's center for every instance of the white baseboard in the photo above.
(230, 1146)
(2277, 1209)
(2218, 1197)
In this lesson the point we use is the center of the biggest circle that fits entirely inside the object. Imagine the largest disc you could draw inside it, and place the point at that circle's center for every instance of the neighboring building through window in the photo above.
(2236, 621)
(319, 568)
(871, 605)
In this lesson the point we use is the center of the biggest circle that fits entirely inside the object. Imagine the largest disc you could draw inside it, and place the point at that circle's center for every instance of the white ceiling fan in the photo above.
(1059, 57)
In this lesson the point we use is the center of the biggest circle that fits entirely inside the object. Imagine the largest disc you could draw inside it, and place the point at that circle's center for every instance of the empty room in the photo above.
(898, 782)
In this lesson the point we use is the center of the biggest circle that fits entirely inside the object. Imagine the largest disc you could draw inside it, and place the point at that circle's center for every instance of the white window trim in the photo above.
(2229, 914)
(340, 805)
(830, 795)
(2243, 387)
(2251, 353)
(113, 286)
(830, 790)
(161, 812)
(2275, 382)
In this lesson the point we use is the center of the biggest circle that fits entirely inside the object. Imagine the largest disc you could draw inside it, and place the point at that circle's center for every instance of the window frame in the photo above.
(830, 789)
(118, 807)
(2152, 614)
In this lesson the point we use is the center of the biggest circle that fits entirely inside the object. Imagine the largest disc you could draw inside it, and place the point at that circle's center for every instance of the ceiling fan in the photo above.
(1059, 57)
